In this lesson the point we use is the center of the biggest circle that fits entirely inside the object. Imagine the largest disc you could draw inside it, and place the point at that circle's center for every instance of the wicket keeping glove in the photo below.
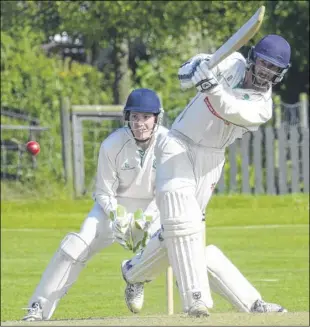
(203, 77)
(139, 231)
(120, 224)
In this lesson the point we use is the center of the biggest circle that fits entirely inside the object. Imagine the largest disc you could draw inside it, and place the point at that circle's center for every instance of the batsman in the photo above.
(233, 98)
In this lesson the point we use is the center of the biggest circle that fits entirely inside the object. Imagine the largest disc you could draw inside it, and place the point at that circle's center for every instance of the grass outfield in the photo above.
(267, 238)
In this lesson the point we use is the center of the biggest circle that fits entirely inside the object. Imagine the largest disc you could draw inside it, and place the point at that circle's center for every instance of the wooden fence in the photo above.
(271, 160)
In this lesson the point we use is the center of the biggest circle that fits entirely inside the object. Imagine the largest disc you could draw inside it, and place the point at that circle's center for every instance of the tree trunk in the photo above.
(122, 81)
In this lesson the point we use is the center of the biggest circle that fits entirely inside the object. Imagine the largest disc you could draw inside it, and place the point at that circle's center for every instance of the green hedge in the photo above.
(34, 83)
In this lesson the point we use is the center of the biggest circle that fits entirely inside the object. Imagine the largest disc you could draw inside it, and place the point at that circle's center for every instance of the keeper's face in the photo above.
(142, 125)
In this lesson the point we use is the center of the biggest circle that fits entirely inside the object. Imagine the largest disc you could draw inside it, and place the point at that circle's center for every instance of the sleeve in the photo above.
(238, 111)
(107, 181)
(231, 71)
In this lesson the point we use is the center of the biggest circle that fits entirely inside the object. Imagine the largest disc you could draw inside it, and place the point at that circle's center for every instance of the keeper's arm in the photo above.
(106, 181)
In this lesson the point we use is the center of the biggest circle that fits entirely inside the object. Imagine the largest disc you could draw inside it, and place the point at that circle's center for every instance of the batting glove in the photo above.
(186, 71)
(203, 78)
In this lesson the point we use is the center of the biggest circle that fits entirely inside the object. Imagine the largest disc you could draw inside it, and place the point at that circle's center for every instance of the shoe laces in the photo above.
(136, 289)
(262, 306)
(34, 308)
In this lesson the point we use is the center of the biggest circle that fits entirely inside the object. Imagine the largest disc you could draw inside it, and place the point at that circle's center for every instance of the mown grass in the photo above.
(273, 254)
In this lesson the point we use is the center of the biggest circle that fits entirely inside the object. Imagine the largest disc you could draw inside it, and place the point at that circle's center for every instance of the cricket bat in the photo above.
(239, 39)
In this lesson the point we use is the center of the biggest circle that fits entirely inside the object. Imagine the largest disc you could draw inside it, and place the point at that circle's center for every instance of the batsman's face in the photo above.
(142, 125)
(265, 72)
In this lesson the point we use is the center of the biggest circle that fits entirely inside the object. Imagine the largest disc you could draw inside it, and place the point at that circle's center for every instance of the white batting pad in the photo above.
(227, 280)
(62, 271)
(70, 258)
(149, 263)
(181, 220)
(186, 258)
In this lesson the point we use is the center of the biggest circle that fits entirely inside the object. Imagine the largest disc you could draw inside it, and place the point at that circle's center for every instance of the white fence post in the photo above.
(277, 111)
(80, 113)
(66, 141)
(304, 107)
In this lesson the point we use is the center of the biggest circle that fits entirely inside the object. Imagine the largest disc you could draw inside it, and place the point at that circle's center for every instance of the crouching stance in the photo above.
(124, 202)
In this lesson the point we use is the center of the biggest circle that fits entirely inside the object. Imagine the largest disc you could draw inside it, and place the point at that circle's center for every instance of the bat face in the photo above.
(239, 39)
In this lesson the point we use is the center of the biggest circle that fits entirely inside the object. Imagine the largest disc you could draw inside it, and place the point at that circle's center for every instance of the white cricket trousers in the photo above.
(186, 176)
(183, 165)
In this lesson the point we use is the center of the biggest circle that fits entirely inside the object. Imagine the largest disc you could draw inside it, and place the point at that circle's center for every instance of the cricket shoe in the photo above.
(34, 313)
(134, 293)
(198, 309)
(261, 306)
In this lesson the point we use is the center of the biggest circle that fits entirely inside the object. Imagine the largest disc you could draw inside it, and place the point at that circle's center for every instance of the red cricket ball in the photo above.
(33, 147)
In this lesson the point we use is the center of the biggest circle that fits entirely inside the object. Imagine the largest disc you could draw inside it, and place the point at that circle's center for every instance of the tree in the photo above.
(118, 34)
(291, 20)
(40, 16)
(119, 24)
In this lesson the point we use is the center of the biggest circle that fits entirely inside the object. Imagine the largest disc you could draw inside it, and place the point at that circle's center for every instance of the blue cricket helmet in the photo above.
(143, 100)
(274, 49)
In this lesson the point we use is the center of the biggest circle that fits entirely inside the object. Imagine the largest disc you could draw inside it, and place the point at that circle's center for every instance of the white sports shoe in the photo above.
(198, 309)
(134, 293)
(261, 306)
(34, 313)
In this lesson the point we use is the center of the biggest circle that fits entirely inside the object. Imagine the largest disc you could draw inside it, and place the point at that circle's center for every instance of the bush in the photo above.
(34, 83)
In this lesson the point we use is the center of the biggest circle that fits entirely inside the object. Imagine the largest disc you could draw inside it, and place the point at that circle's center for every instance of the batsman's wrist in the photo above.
(206, 85)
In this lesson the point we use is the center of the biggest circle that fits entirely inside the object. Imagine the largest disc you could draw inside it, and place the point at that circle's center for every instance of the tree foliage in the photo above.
(128, 32)
(165, 32)
(291, 20)
(130, 44)
(33, 83)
